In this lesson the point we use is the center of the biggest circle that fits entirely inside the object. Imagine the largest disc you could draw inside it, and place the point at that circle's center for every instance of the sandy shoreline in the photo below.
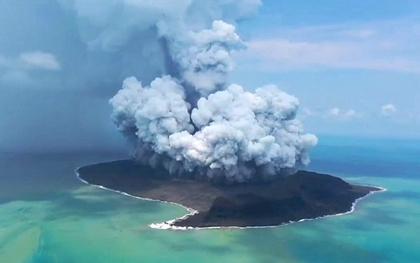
(169, 225)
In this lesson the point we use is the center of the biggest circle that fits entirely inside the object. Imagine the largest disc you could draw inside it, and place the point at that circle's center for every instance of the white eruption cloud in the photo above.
(190, 118)
(203, 57)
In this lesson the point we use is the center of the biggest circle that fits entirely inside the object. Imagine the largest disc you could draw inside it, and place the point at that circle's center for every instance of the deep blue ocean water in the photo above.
(47, 215)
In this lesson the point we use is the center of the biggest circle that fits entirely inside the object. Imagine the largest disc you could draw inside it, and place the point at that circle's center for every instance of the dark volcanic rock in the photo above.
(304, 195)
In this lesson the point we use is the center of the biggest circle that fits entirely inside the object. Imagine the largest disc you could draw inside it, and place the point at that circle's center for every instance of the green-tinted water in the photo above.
(68, 221)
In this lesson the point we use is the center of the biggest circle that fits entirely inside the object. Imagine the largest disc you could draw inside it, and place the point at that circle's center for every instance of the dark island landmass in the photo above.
(304, 195)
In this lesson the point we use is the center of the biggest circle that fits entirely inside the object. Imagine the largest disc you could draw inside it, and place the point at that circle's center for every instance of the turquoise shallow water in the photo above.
(47, 215)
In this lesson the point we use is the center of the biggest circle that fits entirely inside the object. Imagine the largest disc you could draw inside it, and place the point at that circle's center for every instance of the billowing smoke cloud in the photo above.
(190, 118)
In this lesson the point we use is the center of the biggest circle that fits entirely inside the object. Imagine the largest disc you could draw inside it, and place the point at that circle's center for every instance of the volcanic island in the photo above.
(303, 195)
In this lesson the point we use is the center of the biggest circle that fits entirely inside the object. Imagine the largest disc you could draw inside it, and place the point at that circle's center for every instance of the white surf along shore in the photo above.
(169, 225)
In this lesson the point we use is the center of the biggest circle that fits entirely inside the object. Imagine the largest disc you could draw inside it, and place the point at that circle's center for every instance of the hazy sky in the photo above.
(354, 65)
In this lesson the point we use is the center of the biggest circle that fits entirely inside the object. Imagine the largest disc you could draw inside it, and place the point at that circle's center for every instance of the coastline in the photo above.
(169, 225)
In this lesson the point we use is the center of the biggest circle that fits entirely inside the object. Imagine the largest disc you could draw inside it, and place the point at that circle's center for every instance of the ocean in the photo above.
(47, 215)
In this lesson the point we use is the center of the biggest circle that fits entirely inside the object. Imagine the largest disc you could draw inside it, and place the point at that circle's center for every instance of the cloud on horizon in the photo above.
(333, 113)
(388, 110)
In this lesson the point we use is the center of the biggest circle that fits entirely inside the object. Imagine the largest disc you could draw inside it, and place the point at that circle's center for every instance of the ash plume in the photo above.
(190, 118)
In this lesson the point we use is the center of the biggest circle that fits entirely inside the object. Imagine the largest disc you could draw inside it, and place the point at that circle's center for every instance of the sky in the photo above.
(353, 65)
